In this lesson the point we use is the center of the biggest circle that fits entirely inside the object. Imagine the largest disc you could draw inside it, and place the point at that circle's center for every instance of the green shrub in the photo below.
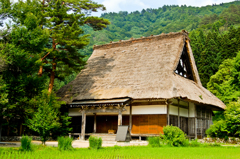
(174, 136)
(26, 144)
(195, 143)
(219, 129)
(154, 141)
(65, 143)
(95, 142)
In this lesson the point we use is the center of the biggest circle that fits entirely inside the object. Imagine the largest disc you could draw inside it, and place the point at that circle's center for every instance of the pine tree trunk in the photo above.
(40, 71)
(20, 129)
(52, 77)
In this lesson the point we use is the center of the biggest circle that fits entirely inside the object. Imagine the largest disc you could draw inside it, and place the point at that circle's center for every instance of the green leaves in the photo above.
(230, 126)
(45, 119)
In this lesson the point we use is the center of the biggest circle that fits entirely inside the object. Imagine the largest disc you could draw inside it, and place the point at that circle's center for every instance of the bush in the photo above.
(95, 142)
(219, 129)
(26, 144)
(174, 136)
(65, 143)
(154, 141)
(195, 143)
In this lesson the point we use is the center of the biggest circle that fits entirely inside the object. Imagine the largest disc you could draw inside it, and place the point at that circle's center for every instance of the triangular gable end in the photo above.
(186, 66)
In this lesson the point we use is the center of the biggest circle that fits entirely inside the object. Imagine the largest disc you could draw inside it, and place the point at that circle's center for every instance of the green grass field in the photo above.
(124, 152)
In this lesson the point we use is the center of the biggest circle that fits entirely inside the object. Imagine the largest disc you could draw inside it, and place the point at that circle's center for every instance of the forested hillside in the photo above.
(165, 19)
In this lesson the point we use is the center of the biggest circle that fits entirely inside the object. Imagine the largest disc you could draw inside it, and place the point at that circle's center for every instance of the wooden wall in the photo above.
(107, 122)
(148, 124)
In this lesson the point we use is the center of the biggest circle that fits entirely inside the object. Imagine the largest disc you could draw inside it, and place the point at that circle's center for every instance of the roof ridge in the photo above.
(141, 39)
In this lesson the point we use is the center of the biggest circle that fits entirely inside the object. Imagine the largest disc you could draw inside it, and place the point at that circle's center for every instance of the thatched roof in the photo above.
(140, 69)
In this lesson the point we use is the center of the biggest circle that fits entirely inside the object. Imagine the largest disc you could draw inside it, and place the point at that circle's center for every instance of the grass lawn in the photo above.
(124, 152)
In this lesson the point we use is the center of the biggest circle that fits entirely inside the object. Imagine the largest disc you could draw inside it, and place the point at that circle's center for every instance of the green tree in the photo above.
(229, 126)
(19, 48)
(225, 84)
(63, 20)
(3, 102)
(45, 119)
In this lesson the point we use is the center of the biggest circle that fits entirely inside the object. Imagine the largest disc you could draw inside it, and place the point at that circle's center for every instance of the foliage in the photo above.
(26, 144)
(65, 143)
(154, 141)
(232, 117)
(19, 48)
(46, 118)
(173, 136)
(195, 143)
(95, 142)
(229, 126)
(64, 128)
(219, 129)
(225, 83)
(62, 20)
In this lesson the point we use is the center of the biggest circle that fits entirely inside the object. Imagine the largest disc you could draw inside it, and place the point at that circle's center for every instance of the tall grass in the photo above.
(26, 144)
(154, 141)
(95, 142)
(130, 152)
(65, 143)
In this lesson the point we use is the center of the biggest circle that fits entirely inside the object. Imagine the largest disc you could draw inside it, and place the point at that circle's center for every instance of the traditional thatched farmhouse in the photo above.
(146, 83)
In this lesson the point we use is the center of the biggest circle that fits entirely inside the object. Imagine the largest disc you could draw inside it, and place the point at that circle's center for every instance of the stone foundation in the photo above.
(230, 140)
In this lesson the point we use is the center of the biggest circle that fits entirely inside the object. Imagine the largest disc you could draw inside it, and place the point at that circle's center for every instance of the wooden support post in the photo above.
(178, 115)
(120, 117)
(83, 125)
(168, 117)
(130, 119)
(95, 123)
(188, 119)
(196, 125)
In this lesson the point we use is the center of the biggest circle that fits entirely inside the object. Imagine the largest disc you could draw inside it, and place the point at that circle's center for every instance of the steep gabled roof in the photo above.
(141, 68)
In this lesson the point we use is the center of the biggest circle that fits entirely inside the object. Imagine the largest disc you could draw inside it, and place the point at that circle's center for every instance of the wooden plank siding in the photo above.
(149, 124)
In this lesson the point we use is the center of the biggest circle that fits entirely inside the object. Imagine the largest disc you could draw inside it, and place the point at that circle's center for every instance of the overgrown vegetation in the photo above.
(95, 142)
(230, 125)
(154, 141)
(26, 144)
(65, 143)
(173, 136)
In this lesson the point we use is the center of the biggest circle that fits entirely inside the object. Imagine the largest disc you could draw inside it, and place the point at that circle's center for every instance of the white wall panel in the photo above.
(173, 110)
(183, 112)
(191, 110)
(149, 109)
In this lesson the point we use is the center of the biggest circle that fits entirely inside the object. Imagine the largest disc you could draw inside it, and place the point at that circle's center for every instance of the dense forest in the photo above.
(40, 49)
